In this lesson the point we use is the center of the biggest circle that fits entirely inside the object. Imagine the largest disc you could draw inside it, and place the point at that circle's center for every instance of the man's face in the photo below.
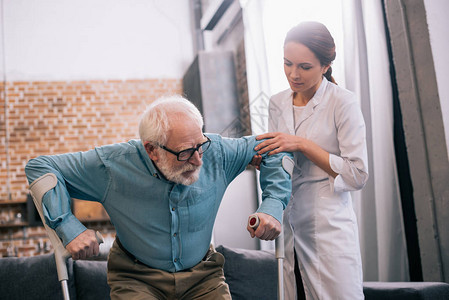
(181, 172)
(184, 134)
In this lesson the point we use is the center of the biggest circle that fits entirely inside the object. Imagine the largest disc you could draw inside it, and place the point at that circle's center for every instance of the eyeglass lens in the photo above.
(188, 153)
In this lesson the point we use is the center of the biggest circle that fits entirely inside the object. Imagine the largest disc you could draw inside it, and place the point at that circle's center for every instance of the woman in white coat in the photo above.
(322, 124)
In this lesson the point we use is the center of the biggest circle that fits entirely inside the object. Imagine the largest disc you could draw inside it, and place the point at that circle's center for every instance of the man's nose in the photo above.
(195, 159)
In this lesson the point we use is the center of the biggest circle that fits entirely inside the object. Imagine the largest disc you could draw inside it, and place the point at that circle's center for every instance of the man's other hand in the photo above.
(269, 228)
(84, 245)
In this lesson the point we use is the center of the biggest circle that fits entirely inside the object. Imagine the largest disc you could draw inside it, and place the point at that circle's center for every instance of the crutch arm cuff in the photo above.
(42, 185)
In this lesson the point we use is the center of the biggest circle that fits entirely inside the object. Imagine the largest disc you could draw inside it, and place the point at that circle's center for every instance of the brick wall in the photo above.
(51, 117)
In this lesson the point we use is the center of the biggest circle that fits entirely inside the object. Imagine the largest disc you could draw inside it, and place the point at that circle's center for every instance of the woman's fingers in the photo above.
(267, 146)
(265, 136)
(276, 142)
(265, 143)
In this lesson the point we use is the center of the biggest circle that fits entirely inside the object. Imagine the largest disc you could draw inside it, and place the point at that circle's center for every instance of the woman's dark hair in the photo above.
(318, 39)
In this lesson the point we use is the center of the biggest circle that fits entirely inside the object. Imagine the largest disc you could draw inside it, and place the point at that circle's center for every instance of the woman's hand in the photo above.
(281, 142)
(278, 142)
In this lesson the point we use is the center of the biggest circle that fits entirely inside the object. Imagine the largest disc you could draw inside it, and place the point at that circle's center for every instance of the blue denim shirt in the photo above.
(165, 225)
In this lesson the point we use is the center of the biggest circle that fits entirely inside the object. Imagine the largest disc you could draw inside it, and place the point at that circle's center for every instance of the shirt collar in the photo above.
(148, 162)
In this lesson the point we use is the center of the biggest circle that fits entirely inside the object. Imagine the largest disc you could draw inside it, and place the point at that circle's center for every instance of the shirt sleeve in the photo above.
(276, 185)
(275, 181)
(80, 175)
(351, 165)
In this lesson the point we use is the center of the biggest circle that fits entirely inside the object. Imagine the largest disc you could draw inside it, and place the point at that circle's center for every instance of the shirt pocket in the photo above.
(201, 205)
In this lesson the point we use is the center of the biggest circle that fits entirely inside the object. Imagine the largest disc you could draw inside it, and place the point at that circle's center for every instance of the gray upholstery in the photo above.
(32, 278)
(406, 290)
(250, 274)
(91, 280)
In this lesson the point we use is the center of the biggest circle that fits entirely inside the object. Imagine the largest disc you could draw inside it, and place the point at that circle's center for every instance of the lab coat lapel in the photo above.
(287, 113)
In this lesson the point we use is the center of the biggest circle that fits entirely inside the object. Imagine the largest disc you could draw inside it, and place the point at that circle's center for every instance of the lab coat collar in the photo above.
(311, 105)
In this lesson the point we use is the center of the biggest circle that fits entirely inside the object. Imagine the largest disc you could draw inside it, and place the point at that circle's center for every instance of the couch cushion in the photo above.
(32, 278)
(251, 274)
(91, 279)
(406, 290)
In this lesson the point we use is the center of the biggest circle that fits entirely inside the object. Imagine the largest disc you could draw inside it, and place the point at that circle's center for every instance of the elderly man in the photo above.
(162, 194)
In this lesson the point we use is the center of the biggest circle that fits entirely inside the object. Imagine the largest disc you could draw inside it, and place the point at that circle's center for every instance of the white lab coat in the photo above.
(319, 221)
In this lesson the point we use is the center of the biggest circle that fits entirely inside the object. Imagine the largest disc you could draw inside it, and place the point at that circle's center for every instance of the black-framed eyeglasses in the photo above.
(186, 154)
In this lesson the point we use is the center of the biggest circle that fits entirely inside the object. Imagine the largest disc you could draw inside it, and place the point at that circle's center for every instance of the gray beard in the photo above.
(176, 175)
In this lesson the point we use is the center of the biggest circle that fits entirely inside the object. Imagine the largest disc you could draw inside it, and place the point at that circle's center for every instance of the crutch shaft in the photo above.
(280, 258)
(65, 289)
(253, 222)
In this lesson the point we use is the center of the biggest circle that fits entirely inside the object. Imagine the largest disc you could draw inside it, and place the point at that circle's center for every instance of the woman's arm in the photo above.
(277, 142)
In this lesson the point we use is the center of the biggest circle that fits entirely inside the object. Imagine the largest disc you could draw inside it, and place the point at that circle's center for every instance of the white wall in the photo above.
(239, 201)
(438, 24)
(97, 39)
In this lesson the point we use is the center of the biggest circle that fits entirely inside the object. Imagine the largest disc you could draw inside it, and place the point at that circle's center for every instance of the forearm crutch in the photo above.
(279, 245)
(38, 188)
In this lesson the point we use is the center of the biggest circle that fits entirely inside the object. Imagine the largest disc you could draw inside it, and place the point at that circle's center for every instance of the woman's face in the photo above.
(302, 68)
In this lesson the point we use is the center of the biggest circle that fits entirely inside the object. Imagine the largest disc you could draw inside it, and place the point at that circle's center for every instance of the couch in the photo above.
(251, 274)
(35, 278)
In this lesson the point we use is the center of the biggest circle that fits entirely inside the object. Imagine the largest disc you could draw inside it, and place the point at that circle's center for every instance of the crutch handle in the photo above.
(253, 221)
(99, 237)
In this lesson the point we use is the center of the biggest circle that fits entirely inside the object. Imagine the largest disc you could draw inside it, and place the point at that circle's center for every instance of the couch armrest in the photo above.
(250, 274)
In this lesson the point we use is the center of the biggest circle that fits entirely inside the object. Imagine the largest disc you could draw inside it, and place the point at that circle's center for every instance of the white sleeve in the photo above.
(352, 164)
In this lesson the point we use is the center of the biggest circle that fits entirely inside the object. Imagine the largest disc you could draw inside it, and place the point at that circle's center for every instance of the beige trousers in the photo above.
(130, 280)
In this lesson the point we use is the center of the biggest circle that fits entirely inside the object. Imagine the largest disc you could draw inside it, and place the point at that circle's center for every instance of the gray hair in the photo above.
(155, 121)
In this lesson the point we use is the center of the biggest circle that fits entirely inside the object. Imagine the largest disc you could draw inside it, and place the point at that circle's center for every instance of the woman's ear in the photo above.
(151, 150)
(325, 68)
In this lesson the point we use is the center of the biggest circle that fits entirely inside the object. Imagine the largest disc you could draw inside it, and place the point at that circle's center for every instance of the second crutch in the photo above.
(279, 252)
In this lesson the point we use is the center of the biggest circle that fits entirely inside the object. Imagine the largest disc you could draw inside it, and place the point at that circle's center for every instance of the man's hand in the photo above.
(255, 162)
(269, 228)
(84, 245)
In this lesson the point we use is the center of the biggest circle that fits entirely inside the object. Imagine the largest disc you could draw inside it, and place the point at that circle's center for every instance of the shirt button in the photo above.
(173, 209)
(175, 260)
(174, 234)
